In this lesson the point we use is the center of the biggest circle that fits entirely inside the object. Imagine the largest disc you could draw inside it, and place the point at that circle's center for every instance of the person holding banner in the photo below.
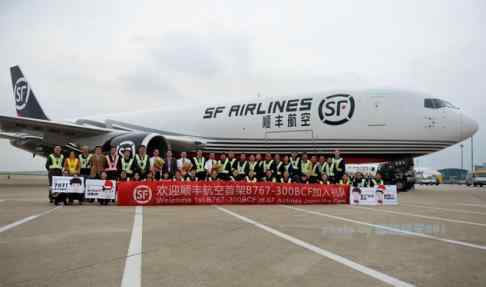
(72, 166)
(251, 176)
(324, 179)
(345, 180)
(54, 165)
(98, 163)
(285, 177)
(213, 176)
(125, 165)
(269, 177)
(84, 161)
(123, 176)
(142, 165)
(112, 164)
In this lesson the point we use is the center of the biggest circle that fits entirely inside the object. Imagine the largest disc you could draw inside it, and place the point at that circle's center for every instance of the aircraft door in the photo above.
(377, 112)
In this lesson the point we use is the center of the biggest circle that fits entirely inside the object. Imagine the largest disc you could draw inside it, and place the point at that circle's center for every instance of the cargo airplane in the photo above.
(367, 126)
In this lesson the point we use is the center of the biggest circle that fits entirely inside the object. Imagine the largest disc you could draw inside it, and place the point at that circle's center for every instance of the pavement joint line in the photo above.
(473, 204)
(445, 209)
(27, 219)
(418, 234)
(424, 216)
(132, 274)
(351, 264)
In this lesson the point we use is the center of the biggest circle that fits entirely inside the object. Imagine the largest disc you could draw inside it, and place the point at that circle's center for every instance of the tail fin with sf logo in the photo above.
(25, 102)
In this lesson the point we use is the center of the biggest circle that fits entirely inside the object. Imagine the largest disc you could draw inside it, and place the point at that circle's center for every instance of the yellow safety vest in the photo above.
(253, 165)
(328, 169)
(278, 167)
(142, 163)
(295, 163)
(336, 163)
(241, 168)
(72, 165)
(56, 162)
(199, 164)
(127, 166)
(223, 166)
(85, 162)
(267, 165)
(307, 167)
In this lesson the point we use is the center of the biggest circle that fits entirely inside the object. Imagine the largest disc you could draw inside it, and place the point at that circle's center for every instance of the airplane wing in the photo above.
(35, 126)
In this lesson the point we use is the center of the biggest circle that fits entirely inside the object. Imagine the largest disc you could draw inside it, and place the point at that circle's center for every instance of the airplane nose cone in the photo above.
(469, 127)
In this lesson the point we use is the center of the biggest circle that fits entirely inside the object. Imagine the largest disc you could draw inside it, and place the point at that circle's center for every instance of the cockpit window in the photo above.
(437, 104)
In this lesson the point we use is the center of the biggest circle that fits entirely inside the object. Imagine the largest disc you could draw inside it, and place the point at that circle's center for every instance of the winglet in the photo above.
(25, 102)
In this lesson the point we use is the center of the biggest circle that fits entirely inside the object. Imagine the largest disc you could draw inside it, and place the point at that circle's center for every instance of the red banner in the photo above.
(171, 193)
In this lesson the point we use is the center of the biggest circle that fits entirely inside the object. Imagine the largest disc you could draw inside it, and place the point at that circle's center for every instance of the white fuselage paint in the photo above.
(383, 122)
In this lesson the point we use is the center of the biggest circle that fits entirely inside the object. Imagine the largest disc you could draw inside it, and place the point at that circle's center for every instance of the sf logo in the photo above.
(22, 93)
(142, 194)
(336, 109)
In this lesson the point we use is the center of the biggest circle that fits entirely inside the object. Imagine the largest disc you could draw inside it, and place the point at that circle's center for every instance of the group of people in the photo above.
(123, 166)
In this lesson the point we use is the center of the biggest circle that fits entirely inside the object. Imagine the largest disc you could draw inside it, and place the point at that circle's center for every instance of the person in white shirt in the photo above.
(183, 163)
(210, 163)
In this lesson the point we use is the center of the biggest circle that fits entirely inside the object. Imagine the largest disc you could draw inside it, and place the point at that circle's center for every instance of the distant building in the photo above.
(453, 175)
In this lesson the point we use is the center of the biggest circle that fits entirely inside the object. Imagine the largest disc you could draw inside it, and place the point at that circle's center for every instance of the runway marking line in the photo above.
(27, 219)
(351, 264)
(424, 216)
(445, 209)
(423, 235)
(132, 274)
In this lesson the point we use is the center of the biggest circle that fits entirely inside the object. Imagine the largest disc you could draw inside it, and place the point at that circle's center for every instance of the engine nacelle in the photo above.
(132, 141)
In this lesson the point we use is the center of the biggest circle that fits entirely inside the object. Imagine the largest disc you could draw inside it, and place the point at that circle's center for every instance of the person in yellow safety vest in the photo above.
(268, 164)
(251, 177)
(84, 161)
(126, 163)
(296, 166)
(224, 167)
(242, 167)
(198, 164)
(259, 168)
(286, 166)
(324, 179)
(377, 180)
(321, 162)
(285, 177)
(112, 164)
(252, 165)
(142, 165)
(277, 166)
(314, 170)
(328, 169)
(345, 180)
(156, 164)
(339, 166)
(54, 165)
(306, 166)
(232, 161)
(71, 165)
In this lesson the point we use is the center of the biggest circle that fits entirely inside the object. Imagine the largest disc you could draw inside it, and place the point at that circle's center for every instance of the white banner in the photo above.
(100, 189)
(67, 184)
(379, 195)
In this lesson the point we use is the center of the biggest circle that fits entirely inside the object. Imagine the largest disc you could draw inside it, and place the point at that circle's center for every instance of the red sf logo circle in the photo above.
(142, 194)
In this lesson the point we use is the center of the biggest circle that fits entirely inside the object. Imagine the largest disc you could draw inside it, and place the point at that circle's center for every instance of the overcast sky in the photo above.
(103, 56)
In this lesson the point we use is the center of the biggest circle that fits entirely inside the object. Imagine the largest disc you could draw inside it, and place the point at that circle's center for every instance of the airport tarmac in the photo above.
(436, 236)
